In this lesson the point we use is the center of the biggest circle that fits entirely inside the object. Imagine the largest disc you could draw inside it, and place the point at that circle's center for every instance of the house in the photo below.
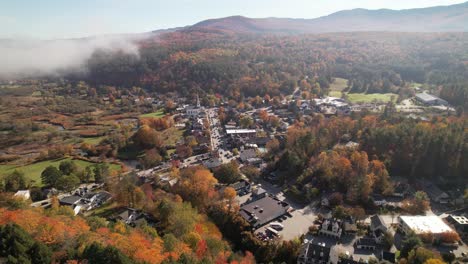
(457, 197)
(241, 187)
(24, 194)
(331, 228)
(260, 211)
(367, 243)
(134, 217)
(460, 222)
(247, 154)
(436, 194)
(49, 192)
(350, 145)
(325, 200)
(421, 224)
(74, 201)
(254, 161)
(429, 99)
(312, 252)
(378, 228)
(379, 200)
(212, 163)
(387, 256)
(71, 200)
(401, 189)
(97, 199)
(349, 226)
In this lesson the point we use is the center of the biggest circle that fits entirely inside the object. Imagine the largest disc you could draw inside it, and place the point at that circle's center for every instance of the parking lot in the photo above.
(300, 220)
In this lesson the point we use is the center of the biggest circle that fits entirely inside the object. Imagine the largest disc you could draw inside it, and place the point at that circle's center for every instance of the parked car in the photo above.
(271, 231)
(277, 226)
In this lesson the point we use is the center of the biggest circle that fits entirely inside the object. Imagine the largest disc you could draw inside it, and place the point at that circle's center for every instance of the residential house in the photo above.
(134, 217)
(332, 228)
(435, 193)
(379, 200)
(378, 228)
(312, 252)
(241, 187)
(401, 189)
(367, 243)
(74, 201)
(248, 154)
(350, 226)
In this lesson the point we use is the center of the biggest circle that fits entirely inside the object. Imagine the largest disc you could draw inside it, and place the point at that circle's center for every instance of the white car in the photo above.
(277, 226)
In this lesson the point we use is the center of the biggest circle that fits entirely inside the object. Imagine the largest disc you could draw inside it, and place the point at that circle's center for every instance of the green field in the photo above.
(33, 171)
(93, 140)
(338, 85)
(157, 114)
(172, 135)
(335, 94)
(367, 98)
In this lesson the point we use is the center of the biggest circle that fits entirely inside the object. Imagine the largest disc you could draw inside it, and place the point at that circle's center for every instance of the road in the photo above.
(217, 137)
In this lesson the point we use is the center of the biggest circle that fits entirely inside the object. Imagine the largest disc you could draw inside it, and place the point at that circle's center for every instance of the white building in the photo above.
(25, 194)
(421, 224)
(241, 132)
(332, 228)
(194, 111)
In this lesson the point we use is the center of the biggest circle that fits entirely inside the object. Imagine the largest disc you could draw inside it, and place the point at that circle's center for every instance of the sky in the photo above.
(58, 19)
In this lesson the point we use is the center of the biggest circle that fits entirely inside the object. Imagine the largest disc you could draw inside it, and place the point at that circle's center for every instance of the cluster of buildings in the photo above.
(84, 200)
(326, 248)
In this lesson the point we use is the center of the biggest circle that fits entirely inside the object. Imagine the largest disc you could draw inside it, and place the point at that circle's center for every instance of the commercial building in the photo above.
(263, 209)
(429, 99)
(421, 224)
(241, 132)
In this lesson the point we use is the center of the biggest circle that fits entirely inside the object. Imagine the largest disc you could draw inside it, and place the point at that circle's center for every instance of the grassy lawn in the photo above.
(33, 171)
(338, 85)
(335, 94)
(157, 114)
(93, 140)
(172, 135)
(367, 98)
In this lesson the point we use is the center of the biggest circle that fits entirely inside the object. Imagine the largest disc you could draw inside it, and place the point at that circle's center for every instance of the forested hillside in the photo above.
(248, 65)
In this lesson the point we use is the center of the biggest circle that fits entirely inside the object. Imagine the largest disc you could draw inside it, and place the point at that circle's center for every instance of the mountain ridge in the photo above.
(452, 18)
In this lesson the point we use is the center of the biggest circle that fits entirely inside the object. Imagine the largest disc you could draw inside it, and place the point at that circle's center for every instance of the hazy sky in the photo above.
(47, 19)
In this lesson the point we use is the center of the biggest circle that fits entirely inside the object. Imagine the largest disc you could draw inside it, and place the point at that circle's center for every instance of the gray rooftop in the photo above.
(70, 200)
(265, 209)
(427, 97)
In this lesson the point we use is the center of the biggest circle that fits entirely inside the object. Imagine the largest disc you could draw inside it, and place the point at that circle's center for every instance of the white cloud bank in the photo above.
(30, 58)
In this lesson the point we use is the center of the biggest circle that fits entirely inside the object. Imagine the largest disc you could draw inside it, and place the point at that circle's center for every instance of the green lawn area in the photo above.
(367, 98)
(33, 171)
(157, 114)
(93, 140)
(339, 84)
(172, 135)
(335, 94)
